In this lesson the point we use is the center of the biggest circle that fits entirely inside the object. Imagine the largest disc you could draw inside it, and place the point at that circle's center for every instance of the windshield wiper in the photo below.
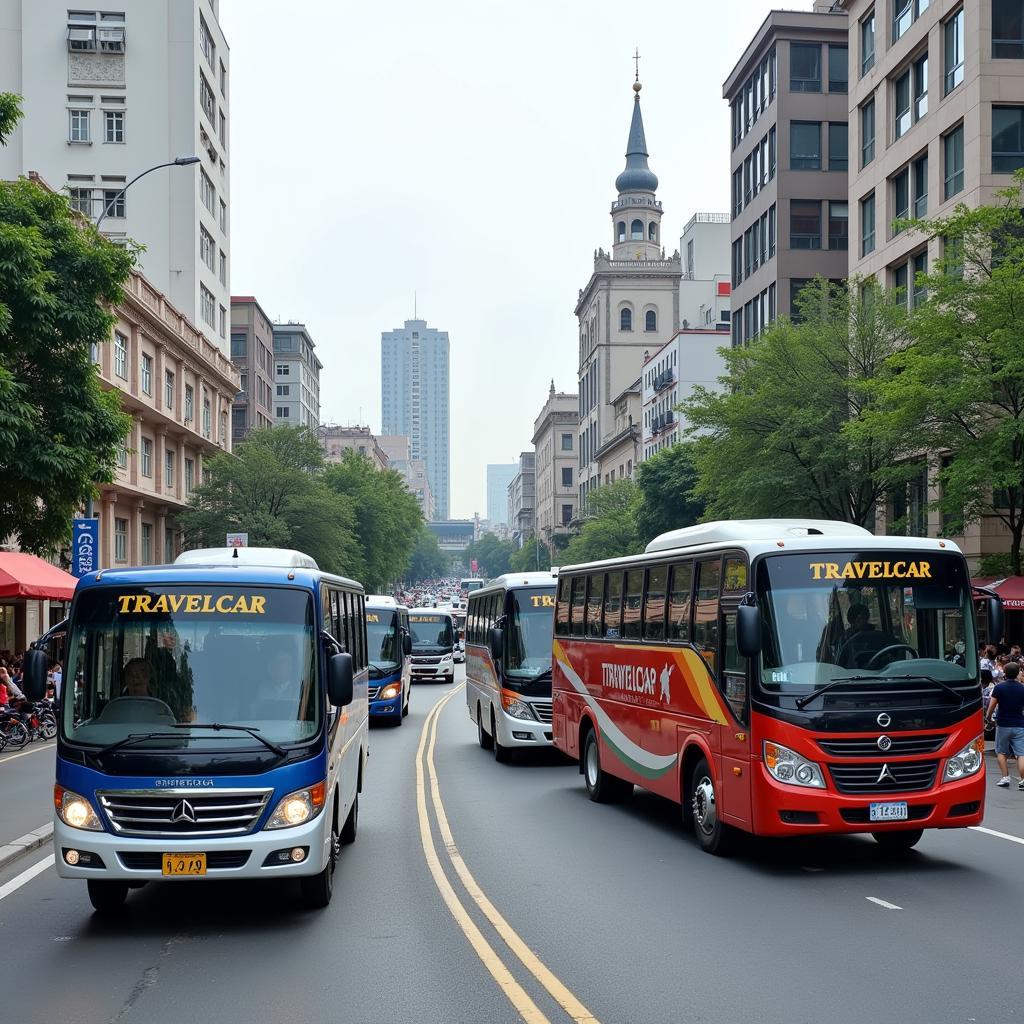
(250, 729)
(802, 702)
(135, 737)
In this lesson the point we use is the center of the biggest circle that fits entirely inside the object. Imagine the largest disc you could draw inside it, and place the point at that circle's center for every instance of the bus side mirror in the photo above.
(748, 630)
(995, 619)
(339, 679)
(34, 668)
(407, 644)
(495, 640)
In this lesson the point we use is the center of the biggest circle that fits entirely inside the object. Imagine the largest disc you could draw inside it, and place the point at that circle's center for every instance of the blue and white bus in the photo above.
(213, 723)
(390, 646)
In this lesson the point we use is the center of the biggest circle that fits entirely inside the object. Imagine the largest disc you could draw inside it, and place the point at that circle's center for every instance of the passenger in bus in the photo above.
(137, 676)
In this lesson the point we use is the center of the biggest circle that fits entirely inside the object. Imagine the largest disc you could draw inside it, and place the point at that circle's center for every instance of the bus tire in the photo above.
(107, 897)
(486, 741)
(602, 788)
(318, 889)
(905, 839)
(713, 834)
(502, 754)
(351, 826)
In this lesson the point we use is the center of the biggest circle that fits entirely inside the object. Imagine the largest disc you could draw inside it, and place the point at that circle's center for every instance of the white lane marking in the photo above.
(48, 745)
(998, 835)
(882, 903)
(26, 876)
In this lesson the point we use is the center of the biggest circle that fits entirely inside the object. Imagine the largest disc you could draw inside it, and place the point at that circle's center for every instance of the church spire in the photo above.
(636, 176)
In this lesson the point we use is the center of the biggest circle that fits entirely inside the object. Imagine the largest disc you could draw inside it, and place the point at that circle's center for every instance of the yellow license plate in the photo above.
(184, 864)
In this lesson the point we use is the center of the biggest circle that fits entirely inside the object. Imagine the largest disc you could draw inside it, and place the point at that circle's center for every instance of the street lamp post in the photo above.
(178, 161)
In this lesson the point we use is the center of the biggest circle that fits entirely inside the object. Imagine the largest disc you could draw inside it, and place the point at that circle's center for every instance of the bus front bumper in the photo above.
(390, 708)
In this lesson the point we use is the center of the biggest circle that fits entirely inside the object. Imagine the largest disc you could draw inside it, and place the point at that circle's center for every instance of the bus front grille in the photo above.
(183, 813)
(542, 709)
(867, 746)
(884, 776)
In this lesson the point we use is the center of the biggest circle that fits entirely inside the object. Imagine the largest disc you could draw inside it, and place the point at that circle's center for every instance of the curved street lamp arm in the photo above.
(113, 202)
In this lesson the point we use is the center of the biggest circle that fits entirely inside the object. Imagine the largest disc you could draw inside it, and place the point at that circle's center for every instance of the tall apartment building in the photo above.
(107, 95)
(704, 291)
(499, 476)
(522, 497)
(629, 305)
(252, 352)
(790, 219)
(415, 399)
(296, 377)
(555, 432)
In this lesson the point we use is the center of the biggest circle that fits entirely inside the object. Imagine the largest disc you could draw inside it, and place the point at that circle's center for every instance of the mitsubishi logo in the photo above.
(884, 743)
(885, 775)
(183, 811)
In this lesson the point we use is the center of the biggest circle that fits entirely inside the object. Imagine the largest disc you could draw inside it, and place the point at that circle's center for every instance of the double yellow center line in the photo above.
(503, 977)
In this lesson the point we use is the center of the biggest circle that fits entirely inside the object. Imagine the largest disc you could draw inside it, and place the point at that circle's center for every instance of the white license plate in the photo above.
(888, 812)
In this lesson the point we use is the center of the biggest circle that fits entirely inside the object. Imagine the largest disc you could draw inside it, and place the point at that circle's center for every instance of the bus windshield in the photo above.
(157, 659)
(888, 613)
(528, 634)
(382, 641)
(431, 633)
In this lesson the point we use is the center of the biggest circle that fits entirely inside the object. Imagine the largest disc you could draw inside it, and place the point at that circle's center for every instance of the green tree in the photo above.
(666, 482)
(271, 488)
(958, 388)
(493, 555)
(787, 434)
(533, 556)
(387, 516)
(427, 560)
(609, 524)
(59, 427)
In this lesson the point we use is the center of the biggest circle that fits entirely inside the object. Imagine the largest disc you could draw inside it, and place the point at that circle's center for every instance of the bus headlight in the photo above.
(75, 810)
(966, 762)
(788, 766)
(298, 807)
(390, 691)
(515, 707)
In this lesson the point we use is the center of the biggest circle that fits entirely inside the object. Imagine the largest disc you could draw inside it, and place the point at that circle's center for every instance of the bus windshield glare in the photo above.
(157, 659)
(831, 615)
(382, 641)
(528, 634)
(431, 633)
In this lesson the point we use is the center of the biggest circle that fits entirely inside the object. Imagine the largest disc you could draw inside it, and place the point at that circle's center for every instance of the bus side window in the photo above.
(335, 621)
(705, 610)
(613, 607)
(470, 622)
(595, 628)
(579, 603)
(631, 606)
(343, 630)
(562, 610)
(654, 603)
(361, 630)
(680, 583)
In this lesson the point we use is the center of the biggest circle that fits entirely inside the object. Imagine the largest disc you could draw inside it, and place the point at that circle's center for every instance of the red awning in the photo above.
(1010, 589)
(24, 575)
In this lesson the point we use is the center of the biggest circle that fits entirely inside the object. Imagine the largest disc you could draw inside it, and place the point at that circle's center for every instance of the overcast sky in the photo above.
(465, 151)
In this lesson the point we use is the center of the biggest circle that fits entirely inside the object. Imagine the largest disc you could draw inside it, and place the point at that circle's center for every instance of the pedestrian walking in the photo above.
(1008, 699)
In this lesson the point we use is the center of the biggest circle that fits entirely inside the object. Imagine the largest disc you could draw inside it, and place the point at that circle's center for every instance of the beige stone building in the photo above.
(338, 440)
(554, 443)
(618, 456)
(178, 386)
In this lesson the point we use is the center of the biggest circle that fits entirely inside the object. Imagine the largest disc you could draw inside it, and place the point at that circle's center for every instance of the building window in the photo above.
(1007, 139)
(206, 43)
(146, 375)
(284, 390)
(902, 17)
(620, 231)
(122, 455)
(900, 198)
(78, 130)
(207, 101)
(650, 320)
(919, 266)
(1008, 29)
(223, 216)
(207, 191)
(222, 128)
(81, 200)
(283, 370)
(147, 544)
(113, 126)
(867, 133)
(190, 475)
(953, 155)
(838, 68)
(636, 231)
(283, 412)
(838, 146)
(953, 51)
(901, 105)
(120, 355)
(222, 272)
(838, 225)
(146, 457)
(804, 224)
(207, 416)
(625, 319)
(567, 476)
(169, 469)
(920, 175)
(867, 43)
(566, 515)
(899, 283)
(867, 224)
(207, 249)
(567, 442)
(168, 546)
(804, 67)
(189, 403)
(208, 305)
(168, 389)
(238, 346)
(113, 202)
(805, 145)
(920, 85)
(120, 540)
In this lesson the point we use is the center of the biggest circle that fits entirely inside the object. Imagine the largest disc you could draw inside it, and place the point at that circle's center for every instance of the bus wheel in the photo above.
(602, 788)
(501, 754)
(351, 826)
(904, 840)
(486, 742)
(107, 897)
(713, 834)
(317, 890)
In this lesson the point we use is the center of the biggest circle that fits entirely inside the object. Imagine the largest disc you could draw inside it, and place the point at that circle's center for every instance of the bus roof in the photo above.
(516, 581)
(383, 601)
(430, 611)
(286, 558)
(736, 531)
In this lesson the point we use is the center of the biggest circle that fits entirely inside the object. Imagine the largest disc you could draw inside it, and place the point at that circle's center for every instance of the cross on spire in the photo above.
(636, 59)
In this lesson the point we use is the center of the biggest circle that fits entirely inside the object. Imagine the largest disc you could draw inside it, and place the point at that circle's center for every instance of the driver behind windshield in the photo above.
(861, 639)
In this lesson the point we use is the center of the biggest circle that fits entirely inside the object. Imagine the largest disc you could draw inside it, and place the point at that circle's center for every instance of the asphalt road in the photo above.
(633, 923)
(26, 789)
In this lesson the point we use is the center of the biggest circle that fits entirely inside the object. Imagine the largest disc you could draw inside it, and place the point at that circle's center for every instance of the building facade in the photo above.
(621, 452)
(398, 450)
(629, 305)
(252, 352)
(335, 441)
(415, 399)
(790, 219)
(522, 497)
(555, 431)
(296, 377)
(499, 476)
(108, 94)
(704, 291)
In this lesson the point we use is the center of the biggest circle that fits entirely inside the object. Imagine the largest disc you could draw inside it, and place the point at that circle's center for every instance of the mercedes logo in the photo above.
(885, 775)
(183, 811)
(884, 743)
(884, 720)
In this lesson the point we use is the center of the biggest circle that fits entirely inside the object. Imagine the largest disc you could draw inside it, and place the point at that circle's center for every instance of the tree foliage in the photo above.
(609, 524)
(667, 481)
(493, 555)
(533, 556)
(59, 428)
(427, 561)
(788, 433)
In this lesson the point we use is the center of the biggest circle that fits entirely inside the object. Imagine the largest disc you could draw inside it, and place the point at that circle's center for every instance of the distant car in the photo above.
(459, 654)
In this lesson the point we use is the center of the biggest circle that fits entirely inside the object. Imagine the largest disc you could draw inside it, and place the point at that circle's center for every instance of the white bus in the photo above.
(467, 586)
(508, 661)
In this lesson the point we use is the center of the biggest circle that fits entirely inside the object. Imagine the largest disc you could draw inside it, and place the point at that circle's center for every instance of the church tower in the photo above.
(636, 214)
